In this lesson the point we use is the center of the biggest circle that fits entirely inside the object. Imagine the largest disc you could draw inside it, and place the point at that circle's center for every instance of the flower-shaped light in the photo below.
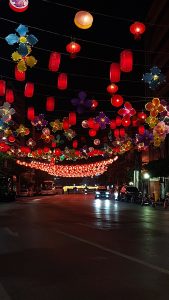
(154, 78)
(145, 138)
(23, 39)
(82, 103)
(102, 120)
(161, 130)
(56, 125)
(46, 136)
(6, 112)
(22, 130)
(31, 143)
(70, 134)
(23, 62)
(155, 107)
(151, 121)
(39, 122)
(127, 110)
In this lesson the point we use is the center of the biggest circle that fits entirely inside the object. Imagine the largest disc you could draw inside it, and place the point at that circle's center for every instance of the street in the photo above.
(79, 248)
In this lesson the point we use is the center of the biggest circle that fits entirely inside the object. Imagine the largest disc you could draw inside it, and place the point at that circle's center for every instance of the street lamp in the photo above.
(146, 177)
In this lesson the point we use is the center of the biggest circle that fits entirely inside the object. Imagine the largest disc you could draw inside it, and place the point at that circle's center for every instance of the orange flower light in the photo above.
(154, 107)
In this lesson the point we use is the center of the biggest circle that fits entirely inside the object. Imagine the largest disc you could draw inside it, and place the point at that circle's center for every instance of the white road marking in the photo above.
(3, 293)
(128, 257)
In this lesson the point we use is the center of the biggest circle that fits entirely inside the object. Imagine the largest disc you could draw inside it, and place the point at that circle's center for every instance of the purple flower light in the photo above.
(102, 120)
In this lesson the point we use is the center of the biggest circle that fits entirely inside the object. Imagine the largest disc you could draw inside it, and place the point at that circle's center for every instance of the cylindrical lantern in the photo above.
(117, 100)
(2, 87)
(50, 103)
(20, 76)
(126, 60)
(116, 133)
(137, 29)
(92, 132)
(9, 96)
(73, 48)
(62, 81)
(75, 144)
(54, 61)
(141, 129)
(118, 121)
(115, 72)
(31, 113)
(112, 88)
(112, 124)
(90, 122)
(19, 5)
(29, 89)
(83, 19)
(72, 118)
(65, 124)
(122, 132)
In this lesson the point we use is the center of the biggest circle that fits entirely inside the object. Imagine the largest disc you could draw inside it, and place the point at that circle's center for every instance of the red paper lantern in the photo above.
(50, 103)
(117, 100)
(137, 29)
(9, 96)
(57, 152)
(112, 88)
(54, 61)
(73, 48)
(11, 139)
(142, 115)
(30, 113)
(20, 76)
(122, 132)
(18, 5)
(92, 132)
(75, 144)
(126, 121)
(112, 124)
(118, 121)
(126, 60)
(29, 89)
(96, 126)
(72, 118)
(141, 129)
(116, 133)
(94, 104)
(90, 122)
(62, 81)
(2, 87)
(65, 123)
(115, 72)
(53, 144)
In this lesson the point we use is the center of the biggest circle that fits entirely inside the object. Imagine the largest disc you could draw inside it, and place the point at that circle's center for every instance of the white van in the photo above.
(48, 188)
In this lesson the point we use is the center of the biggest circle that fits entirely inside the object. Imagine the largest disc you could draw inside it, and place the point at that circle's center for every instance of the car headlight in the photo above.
(97, 193)
(107, 193)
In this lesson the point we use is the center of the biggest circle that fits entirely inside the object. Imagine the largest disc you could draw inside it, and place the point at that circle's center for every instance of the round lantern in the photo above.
(116, 133)
(117, 100)
(62, 81)
(30, 113)
(96, 142)
(90, 122)
(57, 152)
(73, 48)
(118, 121)
(94, 104)
(11, 139)
(112, 124)
(20, 76)
(122, 132)
(126, 60)
(72, 118)
(142, 115)
(112, 88)
(2, 87)
(83, 19)
(19, 5)
(137, 29)
(115, 72)
(92, 132)
(9, 96)
(126, 121)
(75, 144)
(50, 103)
(85, 124)
(54, 61)
(141, 129)
(65, 124)
(29, 89)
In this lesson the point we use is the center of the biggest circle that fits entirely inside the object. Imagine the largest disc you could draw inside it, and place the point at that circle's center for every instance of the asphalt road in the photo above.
(73, 247)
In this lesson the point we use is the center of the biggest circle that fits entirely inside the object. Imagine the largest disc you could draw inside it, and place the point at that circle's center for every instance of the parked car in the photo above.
(102, 193)
(131, 194)
(25, 192)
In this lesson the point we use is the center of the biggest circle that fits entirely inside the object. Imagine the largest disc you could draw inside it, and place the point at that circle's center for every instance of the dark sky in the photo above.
(52, 23)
